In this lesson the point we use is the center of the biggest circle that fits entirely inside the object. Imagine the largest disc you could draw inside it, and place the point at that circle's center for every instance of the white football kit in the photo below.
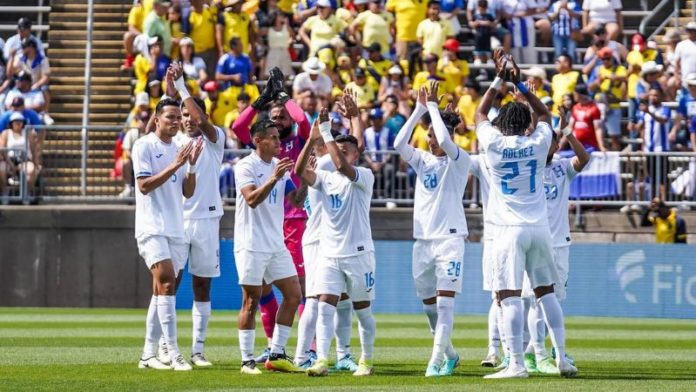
(259, 247)
(347, 251)
(439, 224)
(202, 212)
(310, 238)
(479, 169)
(159, 218)
(517, 206)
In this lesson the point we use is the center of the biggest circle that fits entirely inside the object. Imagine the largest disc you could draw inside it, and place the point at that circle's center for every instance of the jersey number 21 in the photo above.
(514, 167)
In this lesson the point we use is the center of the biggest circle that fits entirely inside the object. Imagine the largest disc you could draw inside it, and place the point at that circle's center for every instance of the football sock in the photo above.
(513, 320)
(537, 332)
(526, 304)
(554, 320)
(431, 313)
(443, 330)
(367, 328)
(306, 329)
(344, 327)
(153, 330)
(325, 329)
(493, 334)
(200, 314)
(268, 307)
(501, 331)
(166, 311)
(246, 343)
(281, 333)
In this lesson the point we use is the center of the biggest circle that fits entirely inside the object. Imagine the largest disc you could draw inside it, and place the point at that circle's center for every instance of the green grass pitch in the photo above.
(89, 350)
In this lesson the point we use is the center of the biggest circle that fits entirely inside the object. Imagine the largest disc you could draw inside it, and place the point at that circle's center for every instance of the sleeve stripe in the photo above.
(459, 152)
(357, 175)
(143, 174)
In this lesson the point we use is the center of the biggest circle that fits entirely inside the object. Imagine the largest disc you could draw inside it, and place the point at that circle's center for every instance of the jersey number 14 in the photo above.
(514, 167)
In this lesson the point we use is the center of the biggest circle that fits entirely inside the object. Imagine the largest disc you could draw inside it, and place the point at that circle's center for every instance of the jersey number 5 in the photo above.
(514, 167)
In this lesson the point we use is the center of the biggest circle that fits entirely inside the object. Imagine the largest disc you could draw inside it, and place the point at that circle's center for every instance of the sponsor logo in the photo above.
(159, 155)
(629, 268)
(211, 208)
(453, 231)
(361, 248)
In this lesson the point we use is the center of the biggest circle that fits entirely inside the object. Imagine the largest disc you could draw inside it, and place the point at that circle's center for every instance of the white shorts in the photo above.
(519, 249)
(437, 265)
(310, 255)
(560, 261)
(253, 268)
(354, 275)
(156, 248)
(203, 247)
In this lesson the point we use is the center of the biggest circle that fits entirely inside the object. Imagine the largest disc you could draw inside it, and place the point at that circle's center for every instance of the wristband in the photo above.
(566, 131)
(191, 169)
(325, 130)
(180, 86)
(522, 87)
(497, 82)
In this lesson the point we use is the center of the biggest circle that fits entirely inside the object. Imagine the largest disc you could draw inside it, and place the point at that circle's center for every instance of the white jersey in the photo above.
(438, 210)
(479, 169)
(260, 229)
(557, 177)
(206, 201)
(160, 212)
(312, 204)
(516, 163)
(345, 218)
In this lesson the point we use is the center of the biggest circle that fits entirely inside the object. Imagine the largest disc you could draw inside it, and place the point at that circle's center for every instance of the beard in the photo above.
(285, 132)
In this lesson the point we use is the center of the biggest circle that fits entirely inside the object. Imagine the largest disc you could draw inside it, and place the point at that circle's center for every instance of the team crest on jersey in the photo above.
(174, 177)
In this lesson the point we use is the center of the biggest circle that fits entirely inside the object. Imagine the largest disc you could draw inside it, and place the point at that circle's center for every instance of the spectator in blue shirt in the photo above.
(449, 10)
(233, 68)
(30, 116)
(565, 19)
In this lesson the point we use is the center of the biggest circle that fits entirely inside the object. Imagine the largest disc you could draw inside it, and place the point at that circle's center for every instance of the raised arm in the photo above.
(401, 140)
(581, 157)
(489, 96)
(297, 115)
(541, 110)
(241, 126)
(439, 128)
(348, 108)
(198, 116)
(339, 160)
(308, 176)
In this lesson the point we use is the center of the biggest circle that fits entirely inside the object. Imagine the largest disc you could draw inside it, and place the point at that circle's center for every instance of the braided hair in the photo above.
(513, 119)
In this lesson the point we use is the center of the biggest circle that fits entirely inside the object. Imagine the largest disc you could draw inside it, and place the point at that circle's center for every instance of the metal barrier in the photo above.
(17, 181)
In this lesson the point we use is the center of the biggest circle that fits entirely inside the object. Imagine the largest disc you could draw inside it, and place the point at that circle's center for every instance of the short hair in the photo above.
(163, 103)
(243, 97)
(513, 119)
(567, 56)
(451, 120)
(234, 41)
(260, 128)
(434, 2)
(346, 139)
(483, 3)
(198, 101)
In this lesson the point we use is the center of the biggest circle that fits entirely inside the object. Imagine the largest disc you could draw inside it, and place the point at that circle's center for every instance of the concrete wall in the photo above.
(86, 256)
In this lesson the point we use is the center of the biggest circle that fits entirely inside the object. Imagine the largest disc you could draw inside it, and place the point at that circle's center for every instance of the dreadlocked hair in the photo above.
(451, 121)
(513, 119)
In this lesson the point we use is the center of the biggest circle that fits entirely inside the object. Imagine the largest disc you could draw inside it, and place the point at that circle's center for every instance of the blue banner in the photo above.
(618, 280)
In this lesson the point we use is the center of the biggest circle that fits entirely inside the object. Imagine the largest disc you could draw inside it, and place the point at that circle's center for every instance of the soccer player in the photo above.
(202, 212)
(518, 208)
(439, 224)
(347, 252)
(293, 128)
(159, 224)
(304, 357)
(558, 174)
(263, 184)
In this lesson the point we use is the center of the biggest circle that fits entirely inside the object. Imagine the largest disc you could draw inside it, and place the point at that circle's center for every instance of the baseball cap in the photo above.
(650, 67)
(451, 44)
(374, 47)
(186, 41)
(17, 116)
(535, 72)
(376, 113)
(359, 72)
(605, 52)
(142, 99)
(691, 25)
(17, 101)
(153, 40)
(24, 23)
(691, 79)
(23, 76)
(154, 82)
(395, 70)
(324, 3)
(210, 86)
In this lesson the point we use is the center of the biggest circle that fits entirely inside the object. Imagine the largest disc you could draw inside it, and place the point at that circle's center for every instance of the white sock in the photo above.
(527, 304)
(367, 328)
(431, 312)
(553, 314)
(344, 327)
(153, 330)
(281, 333)
(537, 331)
(501, 331)
(443, 330)
(513, 318)
(306, 329)
(493, 334)
(325, 329)
(200, 315)
(246, 343)
(166, 311)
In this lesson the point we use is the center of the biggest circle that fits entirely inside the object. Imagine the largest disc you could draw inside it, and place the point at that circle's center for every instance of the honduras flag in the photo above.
(601, 178)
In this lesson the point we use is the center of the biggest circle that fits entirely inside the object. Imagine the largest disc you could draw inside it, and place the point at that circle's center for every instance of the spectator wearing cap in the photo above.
(433, 31)
(376, 65)
(195, 68)
(685, 53)
(133, 133)
(602, 12)
(313, 78)
(30, 117)
(14, 43)
(154, 91)
(374, 26)
(155, 64)
(365, 93)
(23, 156)
(202, 21)
(280, 38)
(450, 10)
(669, 227)
(407, 15)
(611, 85)
(686, 108)
(309, 8)
(600, 40)
(468, 104)
(34, 63)
(565, 22)
(233, 22)
(377, 139)
(639, 87)
(216, 106)
(156, 25)
(396, 85)
(318, 30)
(455, 69)
(141, 104)
(33, 99)
(564, 81)
(585, 121)
(484, 24)
(537, 77)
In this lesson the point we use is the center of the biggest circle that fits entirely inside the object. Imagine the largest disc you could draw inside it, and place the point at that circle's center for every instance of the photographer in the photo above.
(669, 228)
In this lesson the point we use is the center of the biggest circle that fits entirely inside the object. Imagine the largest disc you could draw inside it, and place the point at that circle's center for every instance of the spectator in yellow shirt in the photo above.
(468, 104)
(424, 78)
(465, 138)
(136, 17)
(419, 139)
(537, 78)
(564, 81)
(319, 29)
(432, 32)
(407, 15)
(375, 27)
(456, 70)
(366, 95)
(669, 228)
(376, 65)
(174, 20)
(233, 22)
(611, 85)
(202, 20)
